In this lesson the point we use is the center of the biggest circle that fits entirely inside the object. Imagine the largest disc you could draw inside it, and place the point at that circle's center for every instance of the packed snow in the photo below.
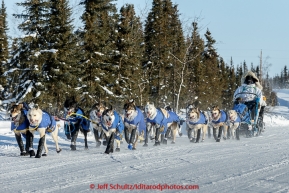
(259, 164)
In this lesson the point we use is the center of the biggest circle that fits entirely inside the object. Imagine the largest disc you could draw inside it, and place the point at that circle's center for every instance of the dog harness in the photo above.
(138, 121)
(47, 122)
(173, 117)
(201, 120)
(238, 119)
(117, 123)
(75, 117)
(159, 119)
(79, 116)
(222, 119)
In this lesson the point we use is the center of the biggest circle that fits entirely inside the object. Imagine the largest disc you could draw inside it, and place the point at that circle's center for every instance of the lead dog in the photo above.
(197, 121)
(43, 123)
(234, 121)
(95, 116)
(112, 126)
(19, 125)
(161, 120)
(134, 124)
(219, 119)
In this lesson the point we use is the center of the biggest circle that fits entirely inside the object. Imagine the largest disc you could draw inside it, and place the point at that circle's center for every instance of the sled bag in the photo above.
(243, 112)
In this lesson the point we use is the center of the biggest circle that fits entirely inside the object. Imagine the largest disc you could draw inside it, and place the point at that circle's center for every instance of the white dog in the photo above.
(197, 121)
(43, 123)
(161, 119)
(234, 121)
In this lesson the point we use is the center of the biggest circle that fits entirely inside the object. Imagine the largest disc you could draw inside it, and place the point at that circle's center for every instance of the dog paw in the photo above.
(157, 144)
(38, 156)
(73, 147)
(32, 153)
(24, 153)
(145, 145)
(117, 149)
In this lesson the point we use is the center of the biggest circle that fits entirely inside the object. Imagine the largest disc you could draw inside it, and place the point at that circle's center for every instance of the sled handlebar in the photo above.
(235, 97)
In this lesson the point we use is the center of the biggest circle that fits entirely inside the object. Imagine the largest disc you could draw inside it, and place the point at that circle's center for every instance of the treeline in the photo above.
(281, 81)
(115, 57)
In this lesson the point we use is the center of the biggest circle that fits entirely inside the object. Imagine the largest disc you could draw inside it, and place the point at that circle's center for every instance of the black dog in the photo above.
(76, 122)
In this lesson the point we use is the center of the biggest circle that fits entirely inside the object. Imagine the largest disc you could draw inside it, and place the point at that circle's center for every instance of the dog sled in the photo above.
(251, 123)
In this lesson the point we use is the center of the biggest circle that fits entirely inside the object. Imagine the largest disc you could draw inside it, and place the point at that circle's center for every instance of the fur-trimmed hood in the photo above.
(257, 82)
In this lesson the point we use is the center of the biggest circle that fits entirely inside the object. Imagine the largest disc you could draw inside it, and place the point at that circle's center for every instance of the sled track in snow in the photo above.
(182, 163)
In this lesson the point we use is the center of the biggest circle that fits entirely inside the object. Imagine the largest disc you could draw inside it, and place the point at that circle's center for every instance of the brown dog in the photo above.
(219, 119)
(20, 125)
(95, 115)
(196, 122)
(134, 123)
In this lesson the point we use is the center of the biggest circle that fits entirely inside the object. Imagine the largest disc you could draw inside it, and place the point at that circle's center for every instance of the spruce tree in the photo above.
(98, 65)
(213, 85)
(4, 54)
(163, 40)
(232, 85)
(196, 69)
(132, 81)
(61, 54)
(28, 60)
(175, 84)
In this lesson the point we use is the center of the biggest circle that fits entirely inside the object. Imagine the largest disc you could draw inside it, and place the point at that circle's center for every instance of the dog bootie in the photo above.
(73, 147)
(129, 146)
(31, 153)
(24, 153)
(145, 145)
(157, 143)
(173, 142)
(165, 141)
(104, 143)
(117, 149)
(58, 151)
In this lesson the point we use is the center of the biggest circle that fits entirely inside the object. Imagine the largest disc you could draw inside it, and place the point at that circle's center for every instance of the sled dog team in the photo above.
(109, 127)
